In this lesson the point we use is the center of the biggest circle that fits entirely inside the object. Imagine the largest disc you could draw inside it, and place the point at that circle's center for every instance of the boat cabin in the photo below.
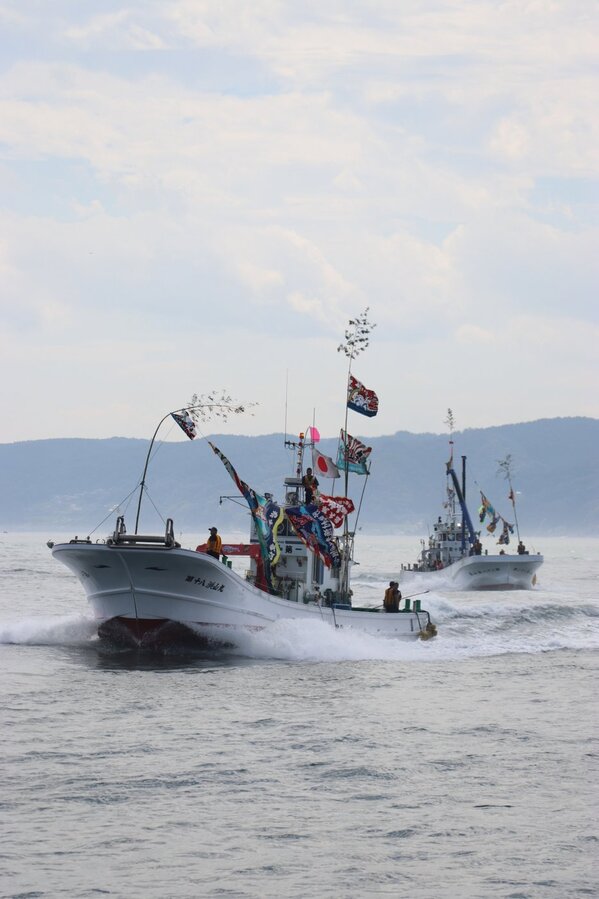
(445, 545)
(299, 575)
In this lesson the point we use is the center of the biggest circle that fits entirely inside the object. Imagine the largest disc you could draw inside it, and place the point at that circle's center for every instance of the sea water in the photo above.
(308, 762)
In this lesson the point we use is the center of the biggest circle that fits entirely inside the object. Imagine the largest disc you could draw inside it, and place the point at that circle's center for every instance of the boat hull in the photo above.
(497, 572)
(139, 594)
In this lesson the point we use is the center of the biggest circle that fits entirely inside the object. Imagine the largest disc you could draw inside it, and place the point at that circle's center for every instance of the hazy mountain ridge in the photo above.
(72, 484)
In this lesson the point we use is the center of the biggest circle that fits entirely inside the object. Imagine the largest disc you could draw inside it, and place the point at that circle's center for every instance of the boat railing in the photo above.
(120, 537)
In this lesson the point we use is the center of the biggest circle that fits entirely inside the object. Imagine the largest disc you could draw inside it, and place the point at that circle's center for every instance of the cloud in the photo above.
(238, 178)
(474, 334)
(99, 25)
(119, 29)
(510, 261)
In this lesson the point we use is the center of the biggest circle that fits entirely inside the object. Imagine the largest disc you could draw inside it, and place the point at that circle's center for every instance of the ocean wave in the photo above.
(530, 613)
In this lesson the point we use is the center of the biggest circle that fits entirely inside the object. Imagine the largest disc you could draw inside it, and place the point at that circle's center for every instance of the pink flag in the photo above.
(313, 434)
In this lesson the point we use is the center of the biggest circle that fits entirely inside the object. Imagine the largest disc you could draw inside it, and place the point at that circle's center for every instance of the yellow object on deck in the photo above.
(429, 631)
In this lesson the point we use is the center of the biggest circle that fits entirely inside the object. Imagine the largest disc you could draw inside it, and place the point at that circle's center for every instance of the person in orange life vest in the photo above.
(214, 544)
(310, 485)
(392, 597)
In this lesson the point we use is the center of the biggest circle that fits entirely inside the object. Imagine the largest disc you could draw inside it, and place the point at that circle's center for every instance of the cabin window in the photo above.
(318, 570)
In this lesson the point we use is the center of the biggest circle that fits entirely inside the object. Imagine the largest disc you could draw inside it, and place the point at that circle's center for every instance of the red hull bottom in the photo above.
(140, 633)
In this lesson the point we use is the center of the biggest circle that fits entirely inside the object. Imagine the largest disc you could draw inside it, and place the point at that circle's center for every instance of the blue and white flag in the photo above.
(316, 531)
(352, 454)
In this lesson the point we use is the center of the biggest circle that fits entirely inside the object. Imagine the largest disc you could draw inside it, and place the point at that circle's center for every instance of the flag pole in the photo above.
(347, 552)
(356, 340)
(513, 499)
(196, 408)
(345, 465)
(143, 477)
(505, 466)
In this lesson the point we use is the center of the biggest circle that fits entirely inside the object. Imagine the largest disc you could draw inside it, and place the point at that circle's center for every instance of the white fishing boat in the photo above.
(453, 557)
(147, 588)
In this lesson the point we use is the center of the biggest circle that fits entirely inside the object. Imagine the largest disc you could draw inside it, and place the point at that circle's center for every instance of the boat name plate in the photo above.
(202, 582)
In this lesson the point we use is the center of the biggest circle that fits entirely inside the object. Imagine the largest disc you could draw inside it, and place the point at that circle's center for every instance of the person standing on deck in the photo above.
(310, 484)
(214, 544)
(392, 597)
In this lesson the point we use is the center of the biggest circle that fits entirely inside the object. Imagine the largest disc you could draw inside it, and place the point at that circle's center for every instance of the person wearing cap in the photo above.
(214, 544)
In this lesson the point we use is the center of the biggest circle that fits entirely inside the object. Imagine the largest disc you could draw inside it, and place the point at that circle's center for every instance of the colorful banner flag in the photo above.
(324, 465)
(508, 529)
(335, 508)
(315, 530)
(186, 423)
(267, 516)
(352, 454)
(360, 399)
(493, 524)
(486, 509)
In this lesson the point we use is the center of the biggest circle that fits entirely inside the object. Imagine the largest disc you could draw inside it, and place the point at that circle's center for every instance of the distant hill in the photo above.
(72, 484)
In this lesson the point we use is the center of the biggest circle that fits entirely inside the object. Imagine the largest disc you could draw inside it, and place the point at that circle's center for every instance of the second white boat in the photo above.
(453, 557)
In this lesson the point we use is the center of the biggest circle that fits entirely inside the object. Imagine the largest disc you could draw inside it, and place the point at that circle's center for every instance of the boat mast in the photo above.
(450, 422)
(300, 456)
(464, 495)
(505, 468)
(460, 491)
(356, 340)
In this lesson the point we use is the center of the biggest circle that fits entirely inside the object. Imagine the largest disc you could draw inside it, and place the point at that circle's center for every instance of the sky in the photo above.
(198, 195)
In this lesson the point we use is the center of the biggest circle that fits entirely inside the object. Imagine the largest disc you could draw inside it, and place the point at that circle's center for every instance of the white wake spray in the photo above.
(316, 641)
(65, 630)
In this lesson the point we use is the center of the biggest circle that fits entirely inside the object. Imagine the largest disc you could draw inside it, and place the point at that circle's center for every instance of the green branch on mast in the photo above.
(357, 336)
(506, 468)
(215, 404)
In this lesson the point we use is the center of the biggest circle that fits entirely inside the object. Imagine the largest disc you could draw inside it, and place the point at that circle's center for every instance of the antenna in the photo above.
(286, 392)
(450, 422)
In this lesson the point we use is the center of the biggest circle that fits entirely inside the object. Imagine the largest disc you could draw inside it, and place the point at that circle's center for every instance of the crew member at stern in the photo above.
(214, 544)
(392, 597)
